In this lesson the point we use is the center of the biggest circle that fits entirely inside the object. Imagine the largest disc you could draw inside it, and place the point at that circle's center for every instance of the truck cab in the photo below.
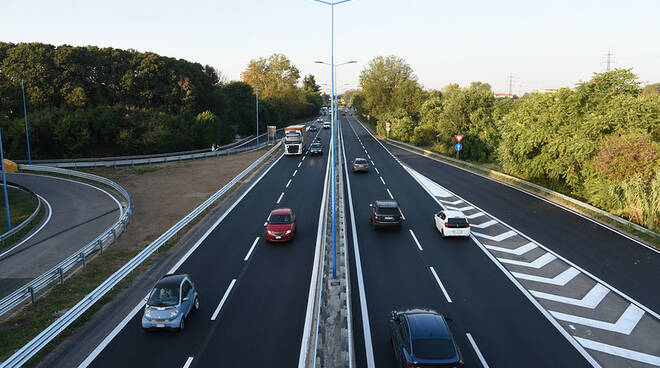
(294, 140)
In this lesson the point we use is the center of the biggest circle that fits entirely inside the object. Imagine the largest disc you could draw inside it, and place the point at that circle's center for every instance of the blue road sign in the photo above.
(458, 146)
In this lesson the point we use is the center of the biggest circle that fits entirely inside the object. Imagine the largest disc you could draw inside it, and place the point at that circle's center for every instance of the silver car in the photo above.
(169, 303)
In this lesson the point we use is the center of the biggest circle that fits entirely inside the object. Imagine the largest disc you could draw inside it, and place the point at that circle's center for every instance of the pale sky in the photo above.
(544, 44)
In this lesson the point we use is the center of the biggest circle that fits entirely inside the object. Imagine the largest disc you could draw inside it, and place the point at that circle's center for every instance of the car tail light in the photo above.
(410, 365)
(467, 224)
(446, 224)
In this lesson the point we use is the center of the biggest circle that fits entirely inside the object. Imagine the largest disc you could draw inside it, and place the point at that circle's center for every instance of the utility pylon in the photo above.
(510, 84)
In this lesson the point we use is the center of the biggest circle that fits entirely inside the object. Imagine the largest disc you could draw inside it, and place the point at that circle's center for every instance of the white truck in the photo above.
(294, 140)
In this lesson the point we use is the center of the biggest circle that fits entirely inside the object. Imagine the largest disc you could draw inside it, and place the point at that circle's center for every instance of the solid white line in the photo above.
(415, 239)
(476, 350)
(537, 263)
(288, 183)
(295, 172)
(590, 300)
(188, 362)
(130, 315)
(390, 193)
(513, 280)
(381, 179)
(247, 256)
(279, 199)
(309, 315)
(224, 298)
(366, 329)
(624, 325)
(518, 251)
(50, 213)
(561, 280)
(615, 350)
(437, 279)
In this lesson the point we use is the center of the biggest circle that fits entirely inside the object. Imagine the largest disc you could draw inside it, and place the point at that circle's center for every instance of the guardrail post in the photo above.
(82, 257)
(123, 224)
(60, 272)
(114, 234)
(31, 291)
(100, 245)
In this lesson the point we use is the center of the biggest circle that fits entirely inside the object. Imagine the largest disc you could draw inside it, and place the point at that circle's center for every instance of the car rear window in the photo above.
(388, 211)
(457, 221)
(280, 219)
(360, 162)
(316, 145)
(433, 349)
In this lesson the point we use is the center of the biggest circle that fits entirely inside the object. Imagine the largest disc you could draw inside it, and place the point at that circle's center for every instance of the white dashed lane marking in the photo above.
(279, 199)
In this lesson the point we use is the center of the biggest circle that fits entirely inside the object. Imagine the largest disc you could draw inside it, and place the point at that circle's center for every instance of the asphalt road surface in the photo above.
(80, 213)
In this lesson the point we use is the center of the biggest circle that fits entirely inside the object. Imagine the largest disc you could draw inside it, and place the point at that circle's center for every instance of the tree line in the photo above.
(91, 101)
(598, 141)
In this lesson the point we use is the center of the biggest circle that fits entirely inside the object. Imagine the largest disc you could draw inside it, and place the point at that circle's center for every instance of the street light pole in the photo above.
(257, 98)
(27, 135)
(4, 183)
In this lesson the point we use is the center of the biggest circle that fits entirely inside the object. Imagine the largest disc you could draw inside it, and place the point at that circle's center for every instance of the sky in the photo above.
(541, 44)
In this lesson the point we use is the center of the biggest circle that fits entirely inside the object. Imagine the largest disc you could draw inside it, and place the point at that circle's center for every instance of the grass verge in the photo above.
(21, 206)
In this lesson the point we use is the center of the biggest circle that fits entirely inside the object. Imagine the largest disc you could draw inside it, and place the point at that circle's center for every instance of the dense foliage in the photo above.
(599, 141)
(90, 101)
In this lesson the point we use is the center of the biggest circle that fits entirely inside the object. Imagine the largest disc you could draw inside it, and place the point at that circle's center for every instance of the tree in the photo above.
(309, 84)
(651, 89)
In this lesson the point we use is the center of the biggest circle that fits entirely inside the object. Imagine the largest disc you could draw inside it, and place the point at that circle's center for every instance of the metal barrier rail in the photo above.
(135, 157)
(31, 348)
(57, 273)
(20, 226)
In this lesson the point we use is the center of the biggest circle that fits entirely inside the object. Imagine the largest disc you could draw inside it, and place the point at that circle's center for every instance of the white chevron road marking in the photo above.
(518, 251)
(485, 224)
(624, 325)
(537, 263)
(561, 279)
(590, 300)
(615, 350)
(466, 208)
(452, 203)
(475, 215)
(497, 238)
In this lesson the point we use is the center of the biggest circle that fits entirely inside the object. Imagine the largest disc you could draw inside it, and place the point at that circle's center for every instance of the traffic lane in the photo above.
(80, 213)
(621, 262)
(218, 260)
(262, 322)
(478, 289)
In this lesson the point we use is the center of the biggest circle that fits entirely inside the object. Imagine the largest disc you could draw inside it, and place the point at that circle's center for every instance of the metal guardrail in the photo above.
(527, 183)
(136, 157)
(57, 273)
(31, 348)
(20, 226)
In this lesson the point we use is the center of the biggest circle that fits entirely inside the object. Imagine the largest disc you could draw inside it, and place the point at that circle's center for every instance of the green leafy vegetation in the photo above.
(90, 101)
(599, 141)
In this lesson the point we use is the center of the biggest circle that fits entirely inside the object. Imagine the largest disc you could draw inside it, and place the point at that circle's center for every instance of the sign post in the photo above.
(458, 146)
(387, 128)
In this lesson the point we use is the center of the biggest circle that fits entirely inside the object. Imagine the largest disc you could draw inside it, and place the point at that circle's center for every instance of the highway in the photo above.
(495, 320)
(75, 214)
(253, 294)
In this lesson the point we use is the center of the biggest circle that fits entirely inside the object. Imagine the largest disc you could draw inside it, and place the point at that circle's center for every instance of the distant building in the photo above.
(546, 91)
(503, 95)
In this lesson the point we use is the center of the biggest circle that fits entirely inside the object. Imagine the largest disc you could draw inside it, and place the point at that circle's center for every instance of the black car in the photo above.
(421, 338)
(313, 128)
(385, 214)
(316, 140)
(316, 149)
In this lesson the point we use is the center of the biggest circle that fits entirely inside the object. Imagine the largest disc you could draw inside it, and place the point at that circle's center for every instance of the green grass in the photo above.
(21, 206)
(145, 169)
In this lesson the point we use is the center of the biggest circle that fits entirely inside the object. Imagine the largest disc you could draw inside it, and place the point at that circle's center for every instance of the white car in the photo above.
(452, 223)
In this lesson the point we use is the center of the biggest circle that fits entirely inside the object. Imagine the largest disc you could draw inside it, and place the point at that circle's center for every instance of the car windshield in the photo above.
(280, 219)
(316, 145)
(387, 211)
(164, 297)
(433, 349)
(457, 221)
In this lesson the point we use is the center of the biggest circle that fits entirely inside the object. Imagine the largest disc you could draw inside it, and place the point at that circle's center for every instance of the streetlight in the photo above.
(257, 99)
(27, 135)
(4, 182)
(333, 141)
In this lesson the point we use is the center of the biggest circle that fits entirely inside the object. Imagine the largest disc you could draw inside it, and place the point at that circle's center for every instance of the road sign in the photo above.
(458, 146)
(458, 138)
(387, 126)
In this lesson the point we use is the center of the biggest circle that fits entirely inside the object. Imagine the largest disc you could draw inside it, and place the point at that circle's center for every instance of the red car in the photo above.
(281, 225)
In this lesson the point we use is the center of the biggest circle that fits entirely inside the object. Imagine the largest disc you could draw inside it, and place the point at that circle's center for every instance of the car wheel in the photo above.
(182, 325)
(196, 303)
